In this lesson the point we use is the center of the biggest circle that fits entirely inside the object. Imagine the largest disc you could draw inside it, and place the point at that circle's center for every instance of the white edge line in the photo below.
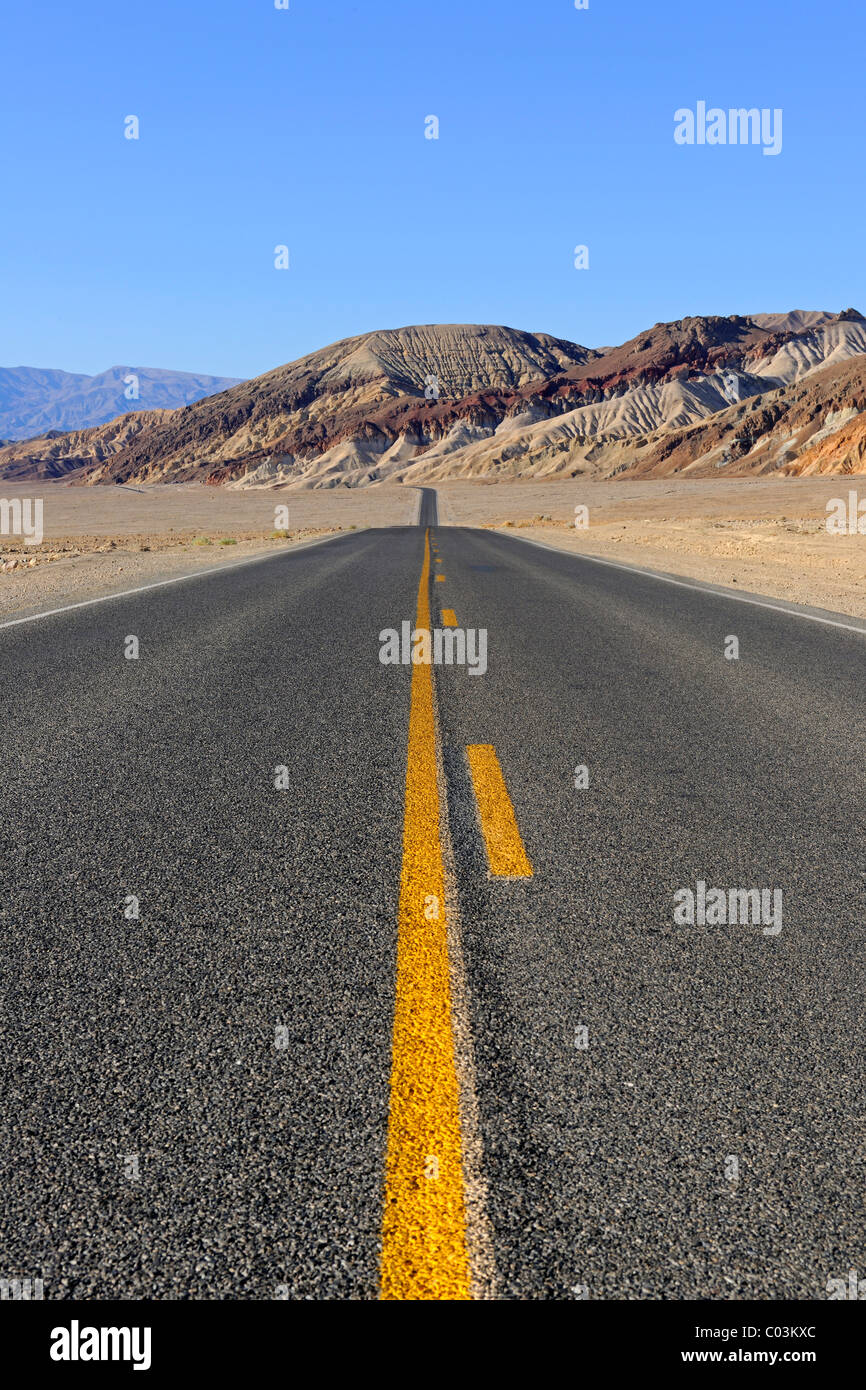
(698, 588)
(161, 583)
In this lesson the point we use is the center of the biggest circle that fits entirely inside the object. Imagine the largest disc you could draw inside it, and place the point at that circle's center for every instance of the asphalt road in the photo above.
(195, 1102)
(428, 513)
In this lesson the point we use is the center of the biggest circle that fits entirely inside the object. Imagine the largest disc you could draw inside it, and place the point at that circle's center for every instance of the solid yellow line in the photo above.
(505, 853)
(424, 1223)
(449, 617)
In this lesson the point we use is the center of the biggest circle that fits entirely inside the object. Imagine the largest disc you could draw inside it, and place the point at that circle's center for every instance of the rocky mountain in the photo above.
(36, 399)
(801, 428)
(57, 454)
(748, 394)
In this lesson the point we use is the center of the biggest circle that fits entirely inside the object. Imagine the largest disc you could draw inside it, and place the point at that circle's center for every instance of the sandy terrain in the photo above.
(765, 535)
(113, 511)
(107, 539)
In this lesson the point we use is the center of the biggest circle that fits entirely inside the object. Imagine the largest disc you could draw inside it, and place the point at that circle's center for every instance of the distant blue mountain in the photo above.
(36, 399)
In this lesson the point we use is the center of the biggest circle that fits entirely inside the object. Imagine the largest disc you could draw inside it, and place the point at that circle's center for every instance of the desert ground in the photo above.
(100, 540)
(764, 535)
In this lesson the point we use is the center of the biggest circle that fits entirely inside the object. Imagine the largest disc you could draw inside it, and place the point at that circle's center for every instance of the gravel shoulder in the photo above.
(103, 540)
(767, 536)
(83, 575)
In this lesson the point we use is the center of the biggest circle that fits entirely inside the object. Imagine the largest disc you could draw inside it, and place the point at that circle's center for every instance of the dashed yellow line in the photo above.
(440, 578)
(505, 853)
(424, 1252)
(449, 617)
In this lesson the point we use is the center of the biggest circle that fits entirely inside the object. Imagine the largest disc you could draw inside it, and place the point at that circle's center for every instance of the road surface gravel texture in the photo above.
(196, 1099)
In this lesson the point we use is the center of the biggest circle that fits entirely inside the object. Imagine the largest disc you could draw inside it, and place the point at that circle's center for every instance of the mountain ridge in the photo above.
(36, 399)
(433, 401)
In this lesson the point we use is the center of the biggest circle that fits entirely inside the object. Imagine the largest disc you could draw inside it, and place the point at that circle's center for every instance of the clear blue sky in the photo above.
(306, 127)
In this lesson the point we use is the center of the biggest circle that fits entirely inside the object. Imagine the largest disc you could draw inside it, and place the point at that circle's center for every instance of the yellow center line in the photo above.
(424, 1223)
(449, 617)
(505, 853)
(440, 578)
